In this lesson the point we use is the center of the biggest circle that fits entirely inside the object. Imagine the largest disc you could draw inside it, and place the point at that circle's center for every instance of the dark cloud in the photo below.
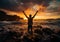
(18, 5)
(6, 4)
(54, 6)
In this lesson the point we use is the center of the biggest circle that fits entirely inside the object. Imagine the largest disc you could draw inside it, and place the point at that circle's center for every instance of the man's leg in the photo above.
(28, 28)
(31, 28)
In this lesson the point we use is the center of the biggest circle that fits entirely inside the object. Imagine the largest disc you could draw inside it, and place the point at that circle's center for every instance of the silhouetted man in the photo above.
(30, 20)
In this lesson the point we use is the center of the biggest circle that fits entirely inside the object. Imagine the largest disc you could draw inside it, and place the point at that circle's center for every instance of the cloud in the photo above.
(18, 5)
(54, 8)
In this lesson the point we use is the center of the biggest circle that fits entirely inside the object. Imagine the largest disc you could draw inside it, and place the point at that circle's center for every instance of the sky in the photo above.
(47, 9)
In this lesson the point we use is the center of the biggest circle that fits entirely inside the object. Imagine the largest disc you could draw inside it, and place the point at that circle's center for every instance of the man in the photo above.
(30, 20)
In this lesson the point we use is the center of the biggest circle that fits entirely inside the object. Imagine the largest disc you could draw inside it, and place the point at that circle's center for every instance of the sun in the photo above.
(25, 18)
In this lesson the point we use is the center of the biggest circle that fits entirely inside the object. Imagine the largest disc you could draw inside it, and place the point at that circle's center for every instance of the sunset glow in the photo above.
(44, 12)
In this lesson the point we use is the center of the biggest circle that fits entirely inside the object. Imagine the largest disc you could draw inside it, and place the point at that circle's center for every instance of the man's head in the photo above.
(30, 15)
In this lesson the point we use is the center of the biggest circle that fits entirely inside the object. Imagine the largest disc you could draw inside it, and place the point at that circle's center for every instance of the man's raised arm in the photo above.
(35, 14)
(25, 14)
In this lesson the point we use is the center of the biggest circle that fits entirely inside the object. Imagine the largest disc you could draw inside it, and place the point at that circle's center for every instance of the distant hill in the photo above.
(46, 19)
(5, 17)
